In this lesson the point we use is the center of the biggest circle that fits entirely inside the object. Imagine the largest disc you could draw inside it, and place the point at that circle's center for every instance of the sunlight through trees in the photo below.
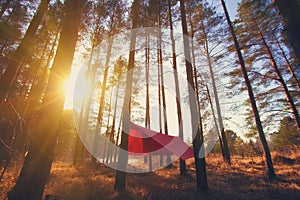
(185, 90)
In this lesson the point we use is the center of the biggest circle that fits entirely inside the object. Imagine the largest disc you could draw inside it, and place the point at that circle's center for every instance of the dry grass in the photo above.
(243, 179)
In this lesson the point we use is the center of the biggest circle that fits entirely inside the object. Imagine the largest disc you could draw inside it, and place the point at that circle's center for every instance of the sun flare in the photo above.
(77, 87)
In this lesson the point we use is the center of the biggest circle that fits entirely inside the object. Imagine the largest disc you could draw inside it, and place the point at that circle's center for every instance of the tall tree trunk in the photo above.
(160, 62)
(196, 83)
(38, 88)
(113, 126)
(117, 138)
(22, 51)
(198, 98)
(35, 70)
(200, 163)
(78, 156)
(120, 181)
(225, 148)
(287, 62)
(104, 81)
(215, 120)
(288, 96)
(289, 10)
(159, 96)
(91, 73)
(108, 133)
(101, 104)
(38, 161)
(222, 138)
(147, 54)
(177, 91)
(271, 172)
(147, 117)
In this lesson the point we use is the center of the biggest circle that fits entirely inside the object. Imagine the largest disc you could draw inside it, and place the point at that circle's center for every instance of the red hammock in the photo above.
(143, 141)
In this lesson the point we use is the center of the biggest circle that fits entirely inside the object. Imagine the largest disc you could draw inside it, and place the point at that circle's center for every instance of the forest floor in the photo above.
(243, 179)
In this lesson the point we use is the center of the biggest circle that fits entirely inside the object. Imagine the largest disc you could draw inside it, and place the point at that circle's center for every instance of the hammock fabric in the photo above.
(143, 141)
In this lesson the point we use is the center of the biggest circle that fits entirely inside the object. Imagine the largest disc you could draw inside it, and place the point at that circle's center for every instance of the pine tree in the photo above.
(115, 25)
(206, 26)
(286, 137)
(22, 51)
(120, 181)
(260, 20)
(271, 172)
(37, 164)
(197, 136)
(183, 170)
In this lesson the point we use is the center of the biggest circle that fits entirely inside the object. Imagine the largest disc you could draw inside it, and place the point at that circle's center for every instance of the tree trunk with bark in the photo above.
(147, 117)
(22, 51)
(183, 170)
(286, 91)
(101, 103)
(292, 71)
(38, 161)
(200, 163)
(271, 172)
(120, 181)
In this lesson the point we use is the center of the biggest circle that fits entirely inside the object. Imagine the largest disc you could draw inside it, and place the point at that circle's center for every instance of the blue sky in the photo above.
(232, 6)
